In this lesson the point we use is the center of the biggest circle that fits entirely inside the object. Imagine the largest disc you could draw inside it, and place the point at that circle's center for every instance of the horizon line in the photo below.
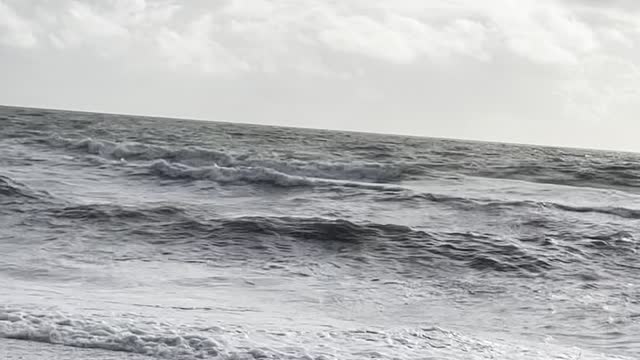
(568, 147)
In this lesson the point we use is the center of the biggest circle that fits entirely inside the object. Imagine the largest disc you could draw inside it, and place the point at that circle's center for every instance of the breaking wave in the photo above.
(201, 157)
(153, 339)
(243, 175)
(164, 340)
(228, 175)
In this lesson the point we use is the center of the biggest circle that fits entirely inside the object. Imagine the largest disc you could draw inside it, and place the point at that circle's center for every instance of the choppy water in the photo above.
(185, 240)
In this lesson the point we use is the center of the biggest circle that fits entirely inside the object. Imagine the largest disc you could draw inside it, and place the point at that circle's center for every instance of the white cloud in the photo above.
(85, 25)
(14, 29)
(539, 31)
(278, 34)
(353, 27)
(401, 39)
(103, 26)
(194, 47)
(361, 34)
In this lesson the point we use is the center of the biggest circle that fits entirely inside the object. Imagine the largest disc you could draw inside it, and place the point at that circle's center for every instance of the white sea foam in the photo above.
(228, 175)
(202, 157)
(166, 341)
(253, 175)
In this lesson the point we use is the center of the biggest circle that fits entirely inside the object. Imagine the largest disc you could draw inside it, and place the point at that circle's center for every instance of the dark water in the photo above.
(184, 240)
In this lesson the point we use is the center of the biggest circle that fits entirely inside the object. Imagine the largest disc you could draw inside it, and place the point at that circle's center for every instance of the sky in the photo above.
(545, 72)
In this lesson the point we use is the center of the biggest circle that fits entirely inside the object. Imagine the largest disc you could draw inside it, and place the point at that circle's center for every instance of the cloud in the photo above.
(99, 26)
(543, 31)
(401, 39)
(85, 25)
(15, 31)
(277, 34)
(353, 28)
(195, 47)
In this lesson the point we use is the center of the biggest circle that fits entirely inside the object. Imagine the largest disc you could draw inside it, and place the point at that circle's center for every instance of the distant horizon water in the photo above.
(187, 118)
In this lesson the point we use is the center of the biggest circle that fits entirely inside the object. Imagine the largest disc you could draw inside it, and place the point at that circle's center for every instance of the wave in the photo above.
(197, 237)
(10, 188)
(197, 157)
(354, 170)
(163, 340)
(106, 212)
(390, 243)
(228, 175)
(244, 175)
(155, 340)
(605, 210)
(486, 204)
(608, 210)
(564, 172)
(138, 151)
(261, 237)
(624, 176)
(317, 229)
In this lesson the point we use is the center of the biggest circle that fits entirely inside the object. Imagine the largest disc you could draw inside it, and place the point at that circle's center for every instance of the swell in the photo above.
(12, 191)
(419, 156)
(176, 231)
(487, 204)
(228, 175)
(608, 210)
(10, 188)
(242, 175)
(104, 212)
(624, 176)
(185, 235)
(194, 156)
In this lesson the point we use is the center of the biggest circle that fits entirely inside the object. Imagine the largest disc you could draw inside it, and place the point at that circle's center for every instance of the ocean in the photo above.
(127, 237)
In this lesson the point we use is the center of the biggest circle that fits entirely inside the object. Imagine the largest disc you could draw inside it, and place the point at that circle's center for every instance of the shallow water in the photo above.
(184, 240)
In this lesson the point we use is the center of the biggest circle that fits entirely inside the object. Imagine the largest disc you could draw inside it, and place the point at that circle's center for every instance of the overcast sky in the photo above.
(545, 72)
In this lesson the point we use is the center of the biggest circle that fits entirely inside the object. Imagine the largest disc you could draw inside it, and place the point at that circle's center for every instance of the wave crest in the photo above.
(10, 188)
(157, 341)
(166, 341)
(228, 175)
(201, 157)
(112, 212)
(468, 203)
